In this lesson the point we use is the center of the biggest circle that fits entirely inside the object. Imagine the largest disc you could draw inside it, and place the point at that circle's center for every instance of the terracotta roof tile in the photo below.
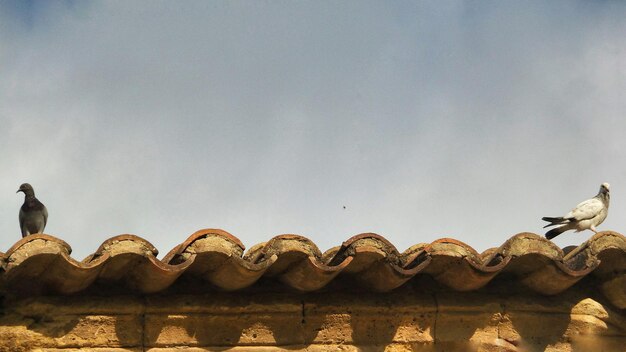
(41, 264)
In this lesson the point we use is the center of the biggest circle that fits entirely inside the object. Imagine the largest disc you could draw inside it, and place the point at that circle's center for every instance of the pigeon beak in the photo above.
(18, 191)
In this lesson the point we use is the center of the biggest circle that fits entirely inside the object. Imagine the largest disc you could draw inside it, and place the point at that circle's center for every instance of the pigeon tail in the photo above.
(554, 221)
(555, 232)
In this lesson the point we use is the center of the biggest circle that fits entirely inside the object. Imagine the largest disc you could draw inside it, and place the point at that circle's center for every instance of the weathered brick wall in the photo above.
(407, 319)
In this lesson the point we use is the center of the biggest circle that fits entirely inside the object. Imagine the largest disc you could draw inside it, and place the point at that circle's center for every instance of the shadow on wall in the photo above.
(227, 330)
(532, 332)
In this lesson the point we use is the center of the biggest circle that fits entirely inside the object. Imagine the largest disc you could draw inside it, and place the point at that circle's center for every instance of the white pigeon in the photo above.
(586, 216)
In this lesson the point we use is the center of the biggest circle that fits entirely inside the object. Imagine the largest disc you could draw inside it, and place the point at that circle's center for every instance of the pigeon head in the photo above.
(26, 188)
(604, 192)
(604, 188)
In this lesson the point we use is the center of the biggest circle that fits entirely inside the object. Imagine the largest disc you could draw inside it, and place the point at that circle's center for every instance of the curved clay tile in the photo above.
(376, 263)
(132, 261)
(367, 249)
(237, 273)
(457, 265)
(311, 274)
(28, 262)
(217, 258)
(609, 248)
(289, 250)
(68, 276)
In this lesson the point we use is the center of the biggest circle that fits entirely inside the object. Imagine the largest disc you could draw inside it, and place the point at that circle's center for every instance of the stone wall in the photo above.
(408, 319)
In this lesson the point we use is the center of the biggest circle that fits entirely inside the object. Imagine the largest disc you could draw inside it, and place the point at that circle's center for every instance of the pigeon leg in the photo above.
(593, 228)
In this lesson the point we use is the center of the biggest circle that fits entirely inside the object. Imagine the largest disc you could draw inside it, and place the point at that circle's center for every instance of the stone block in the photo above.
(459, 330)
(70, 331)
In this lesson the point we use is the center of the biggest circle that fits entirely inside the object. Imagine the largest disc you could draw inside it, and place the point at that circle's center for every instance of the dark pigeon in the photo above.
(33, 214)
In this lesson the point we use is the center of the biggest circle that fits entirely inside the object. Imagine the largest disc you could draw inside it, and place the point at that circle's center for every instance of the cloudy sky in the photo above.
(423, 119)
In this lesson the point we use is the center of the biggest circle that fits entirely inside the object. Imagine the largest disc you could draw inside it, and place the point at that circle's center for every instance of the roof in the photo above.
(41, 264)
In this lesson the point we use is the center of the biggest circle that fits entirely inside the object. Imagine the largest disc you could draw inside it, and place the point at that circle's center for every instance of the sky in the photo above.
(415, 120)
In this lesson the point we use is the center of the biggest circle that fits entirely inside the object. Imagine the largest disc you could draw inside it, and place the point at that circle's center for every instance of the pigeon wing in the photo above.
(44, 211)
(22, 218)
(586, 210)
